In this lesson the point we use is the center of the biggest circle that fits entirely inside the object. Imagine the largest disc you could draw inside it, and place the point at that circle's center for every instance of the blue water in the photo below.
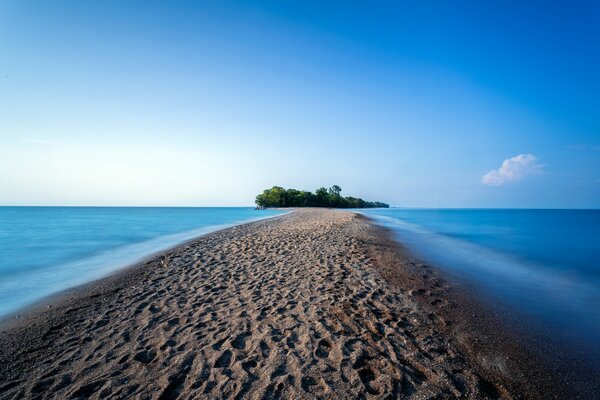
(543, 263)
(44, 250)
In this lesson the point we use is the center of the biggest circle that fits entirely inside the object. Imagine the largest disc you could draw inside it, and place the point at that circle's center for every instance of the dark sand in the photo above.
(313, 304)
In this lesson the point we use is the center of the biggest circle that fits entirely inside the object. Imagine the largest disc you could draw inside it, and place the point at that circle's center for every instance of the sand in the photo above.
(312, 304)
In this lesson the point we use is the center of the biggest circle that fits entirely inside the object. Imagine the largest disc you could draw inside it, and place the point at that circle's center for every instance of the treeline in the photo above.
(280, 197)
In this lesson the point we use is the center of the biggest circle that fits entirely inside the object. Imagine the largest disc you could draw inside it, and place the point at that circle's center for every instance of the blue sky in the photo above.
(427, 104)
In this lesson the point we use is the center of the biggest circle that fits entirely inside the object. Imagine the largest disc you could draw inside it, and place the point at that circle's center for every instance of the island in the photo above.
(323, 197)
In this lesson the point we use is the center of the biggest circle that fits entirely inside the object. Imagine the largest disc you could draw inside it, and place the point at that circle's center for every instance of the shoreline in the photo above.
(436, 313)
(561, 366)
(38, 306)
(469, 320)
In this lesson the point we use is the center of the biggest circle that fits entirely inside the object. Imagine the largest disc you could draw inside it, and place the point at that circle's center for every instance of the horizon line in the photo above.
(248, 206)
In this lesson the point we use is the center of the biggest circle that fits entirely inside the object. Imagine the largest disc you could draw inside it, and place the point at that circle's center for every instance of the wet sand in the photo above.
(312, 304)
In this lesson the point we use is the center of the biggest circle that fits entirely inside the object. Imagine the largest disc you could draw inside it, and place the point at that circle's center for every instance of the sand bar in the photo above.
(312, 304)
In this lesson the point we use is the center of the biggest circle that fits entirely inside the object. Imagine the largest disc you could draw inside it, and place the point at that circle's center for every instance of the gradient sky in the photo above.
(428, 104)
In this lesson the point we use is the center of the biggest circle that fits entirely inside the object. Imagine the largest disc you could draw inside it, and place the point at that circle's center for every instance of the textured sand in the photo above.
(306, 305)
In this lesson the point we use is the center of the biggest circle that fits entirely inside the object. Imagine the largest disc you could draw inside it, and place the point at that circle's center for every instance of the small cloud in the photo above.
(513, 169)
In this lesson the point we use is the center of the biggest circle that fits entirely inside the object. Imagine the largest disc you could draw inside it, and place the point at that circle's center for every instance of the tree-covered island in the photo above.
(280, 197)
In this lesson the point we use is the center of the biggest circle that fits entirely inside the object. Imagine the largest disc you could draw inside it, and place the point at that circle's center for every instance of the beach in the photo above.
(312, 304)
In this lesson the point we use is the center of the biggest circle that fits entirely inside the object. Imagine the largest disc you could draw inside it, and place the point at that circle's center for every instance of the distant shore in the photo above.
(313, 304)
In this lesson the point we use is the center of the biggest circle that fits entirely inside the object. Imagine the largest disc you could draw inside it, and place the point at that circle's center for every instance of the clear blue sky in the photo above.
(207, 103)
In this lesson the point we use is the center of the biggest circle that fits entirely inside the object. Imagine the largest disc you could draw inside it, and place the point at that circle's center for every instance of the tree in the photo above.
(322, 197)
(280, 197)
(335, 190)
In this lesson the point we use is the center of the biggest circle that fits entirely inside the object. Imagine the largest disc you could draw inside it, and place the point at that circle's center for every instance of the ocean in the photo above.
(544, 264)
(44, 250)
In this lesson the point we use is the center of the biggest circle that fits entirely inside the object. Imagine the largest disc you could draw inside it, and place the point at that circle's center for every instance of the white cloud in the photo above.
(512, 169)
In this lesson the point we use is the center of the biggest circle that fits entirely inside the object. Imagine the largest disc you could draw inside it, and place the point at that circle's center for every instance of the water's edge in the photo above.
(571, 362)
(36, 308)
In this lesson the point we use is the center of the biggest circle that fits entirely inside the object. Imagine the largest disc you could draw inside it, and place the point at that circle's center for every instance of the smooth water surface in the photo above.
(44, 250)
(544, 262)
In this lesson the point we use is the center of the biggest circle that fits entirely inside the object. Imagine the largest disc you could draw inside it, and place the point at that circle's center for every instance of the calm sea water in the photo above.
(546, 263)
(44, 250)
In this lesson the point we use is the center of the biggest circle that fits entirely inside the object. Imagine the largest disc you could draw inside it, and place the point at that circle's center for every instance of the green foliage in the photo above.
(280, 197)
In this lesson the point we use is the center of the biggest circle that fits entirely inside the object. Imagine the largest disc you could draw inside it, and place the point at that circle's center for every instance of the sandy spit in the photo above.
(313, 304)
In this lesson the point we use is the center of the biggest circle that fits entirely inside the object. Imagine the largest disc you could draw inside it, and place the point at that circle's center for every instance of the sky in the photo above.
(417, 104)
